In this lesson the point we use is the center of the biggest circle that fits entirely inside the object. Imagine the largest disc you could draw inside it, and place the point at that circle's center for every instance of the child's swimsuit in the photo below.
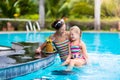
(76, 51)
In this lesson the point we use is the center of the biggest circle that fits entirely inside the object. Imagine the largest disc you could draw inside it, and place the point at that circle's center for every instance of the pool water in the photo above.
(103, 50)
(7, 38)
(99, 68)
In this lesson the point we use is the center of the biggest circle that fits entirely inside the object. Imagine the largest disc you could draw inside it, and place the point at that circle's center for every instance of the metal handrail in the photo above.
(32, 26)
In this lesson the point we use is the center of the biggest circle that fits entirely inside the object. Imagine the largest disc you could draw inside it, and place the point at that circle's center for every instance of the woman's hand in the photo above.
(38, 53)
(38, 50)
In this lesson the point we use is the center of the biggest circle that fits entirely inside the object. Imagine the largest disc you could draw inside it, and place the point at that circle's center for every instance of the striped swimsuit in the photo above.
(76, 51)
(63, 49)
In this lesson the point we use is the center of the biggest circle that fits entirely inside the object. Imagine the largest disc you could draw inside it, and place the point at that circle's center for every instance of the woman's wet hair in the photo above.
(57, 24)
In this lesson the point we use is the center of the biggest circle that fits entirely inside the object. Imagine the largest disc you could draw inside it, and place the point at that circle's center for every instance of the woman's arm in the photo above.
(69, 55)
(38, 50)
(66, 62)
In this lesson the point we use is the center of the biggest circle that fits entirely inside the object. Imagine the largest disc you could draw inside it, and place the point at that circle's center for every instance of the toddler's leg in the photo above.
(71, 65)
(66, 62)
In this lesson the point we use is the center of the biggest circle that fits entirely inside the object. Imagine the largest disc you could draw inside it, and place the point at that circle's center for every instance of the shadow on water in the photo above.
(27, 55)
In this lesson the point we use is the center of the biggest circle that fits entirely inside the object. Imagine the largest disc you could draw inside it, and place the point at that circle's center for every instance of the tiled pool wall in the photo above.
(25, 68)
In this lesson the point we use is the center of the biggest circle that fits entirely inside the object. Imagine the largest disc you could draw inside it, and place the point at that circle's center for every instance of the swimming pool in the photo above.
(103, 50)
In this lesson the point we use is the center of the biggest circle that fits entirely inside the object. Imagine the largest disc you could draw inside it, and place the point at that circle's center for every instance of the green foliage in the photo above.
(28, 7)
(82, 9)
(89, 25)
(30, 16)
(10, 7)
(110, 8)
(52, 8)
(72, 8)
(58, 8)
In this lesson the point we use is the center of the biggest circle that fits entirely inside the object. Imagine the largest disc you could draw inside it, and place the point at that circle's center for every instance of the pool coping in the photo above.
(26, 68)
(3, 32)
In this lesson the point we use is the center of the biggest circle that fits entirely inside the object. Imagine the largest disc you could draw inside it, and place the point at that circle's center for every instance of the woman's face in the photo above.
(74, 36)
(62, 29)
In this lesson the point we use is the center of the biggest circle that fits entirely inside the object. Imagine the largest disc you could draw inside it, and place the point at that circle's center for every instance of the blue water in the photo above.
(7, 38)
(103, 50)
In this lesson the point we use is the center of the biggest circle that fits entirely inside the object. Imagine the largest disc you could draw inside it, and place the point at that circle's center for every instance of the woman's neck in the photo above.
(59, 33)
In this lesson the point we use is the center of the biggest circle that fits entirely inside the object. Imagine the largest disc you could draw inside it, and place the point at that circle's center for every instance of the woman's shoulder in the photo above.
(52, 36)
(67, 34)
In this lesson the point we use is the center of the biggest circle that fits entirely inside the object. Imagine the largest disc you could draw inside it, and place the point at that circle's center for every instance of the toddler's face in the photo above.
(74, 36)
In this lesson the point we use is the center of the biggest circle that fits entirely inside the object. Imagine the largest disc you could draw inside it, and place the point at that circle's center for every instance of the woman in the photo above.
(60, 39)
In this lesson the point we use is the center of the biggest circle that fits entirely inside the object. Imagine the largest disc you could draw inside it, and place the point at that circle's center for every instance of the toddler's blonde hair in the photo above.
(76, 29)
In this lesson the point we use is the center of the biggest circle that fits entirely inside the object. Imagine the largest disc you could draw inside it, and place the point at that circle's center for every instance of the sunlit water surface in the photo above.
(103, 50)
